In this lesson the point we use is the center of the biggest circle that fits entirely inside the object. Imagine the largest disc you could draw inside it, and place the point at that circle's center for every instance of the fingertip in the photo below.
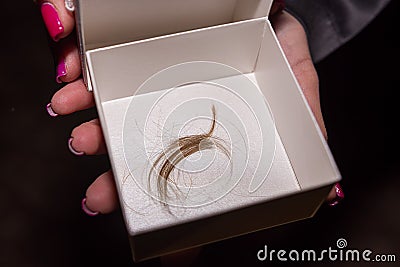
(59, 21)
(71, 98)
(88, 137)
(67, 18)
(101, 196)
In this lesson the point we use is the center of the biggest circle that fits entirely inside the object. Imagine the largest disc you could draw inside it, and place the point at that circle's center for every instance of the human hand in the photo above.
(87, 139)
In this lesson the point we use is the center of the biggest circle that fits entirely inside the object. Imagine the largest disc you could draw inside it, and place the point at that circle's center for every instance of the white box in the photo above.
(156, 69)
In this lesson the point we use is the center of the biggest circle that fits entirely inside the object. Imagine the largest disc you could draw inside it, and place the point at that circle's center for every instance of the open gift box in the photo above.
(163, 70)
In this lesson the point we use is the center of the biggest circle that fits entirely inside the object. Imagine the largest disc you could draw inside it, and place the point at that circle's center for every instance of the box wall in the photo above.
(250, 9)
(235, 45)
(239, 222)
(308, 152)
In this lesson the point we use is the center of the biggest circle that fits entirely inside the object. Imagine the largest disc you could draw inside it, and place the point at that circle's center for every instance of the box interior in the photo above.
(247, 46)
(143, 213)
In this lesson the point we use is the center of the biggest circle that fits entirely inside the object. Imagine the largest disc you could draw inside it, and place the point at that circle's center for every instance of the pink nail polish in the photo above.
(87, 210)
(52, 20)
(50, 110)
(339, 195)
(77, 153)
(61, 70)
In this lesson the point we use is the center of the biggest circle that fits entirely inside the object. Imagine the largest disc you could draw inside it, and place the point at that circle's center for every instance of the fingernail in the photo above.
(87, 210)
(61, 70)
(77, 153)
(52, 20)
(50, 110)
(339, 195)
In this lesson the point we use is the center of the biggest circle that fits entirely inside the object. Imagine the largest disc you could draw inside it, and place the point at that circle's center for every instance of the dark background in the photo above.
(42, 183)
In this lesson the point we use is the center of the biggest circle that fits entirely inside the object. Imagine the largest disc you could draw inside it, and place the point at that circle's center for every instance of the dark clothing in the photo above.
(330, 23)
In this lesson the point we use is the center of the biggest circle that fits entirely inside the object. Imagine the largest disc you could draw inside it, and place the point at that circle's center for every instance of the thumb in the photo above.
(58, 20)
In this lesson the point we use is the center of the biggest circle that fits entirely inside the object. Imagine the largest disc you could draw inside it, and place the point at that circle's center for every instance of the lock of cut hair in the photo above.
(180, 149)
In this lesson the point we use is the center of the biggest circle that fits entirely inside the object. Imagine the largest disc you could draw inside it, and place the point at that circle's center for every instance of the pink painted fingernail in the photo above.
(77, 153)
(87, 210)
(52, 20)
(339, 195)
(50, 110)
(61, 70)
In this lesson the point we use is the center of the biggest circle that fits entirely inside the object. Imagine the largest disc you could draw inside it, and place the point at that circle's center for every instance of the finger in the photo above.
(71, 98)
(101, 196)
(293, 40)
(87, 139)
(59, 21)
(68, 61)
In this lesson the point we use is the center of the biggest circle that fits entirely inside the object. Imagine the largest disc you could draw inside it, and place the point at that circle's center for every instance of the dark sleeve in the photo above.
(331, 23)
